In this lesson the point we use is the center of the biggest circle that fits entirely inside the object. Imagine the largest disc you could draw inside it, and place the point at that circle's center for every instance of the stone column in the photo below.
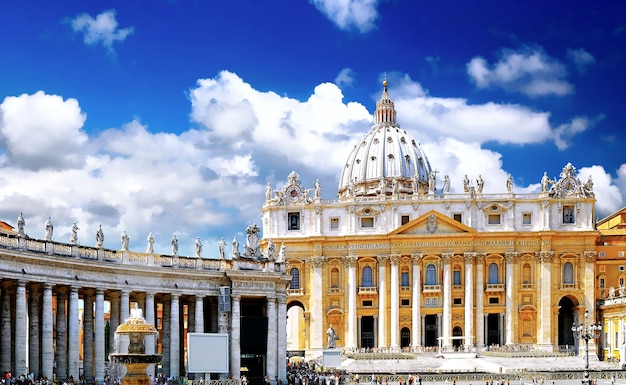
(446, 332)
(47, 337)
(34, 298)
(350, 262)
(73, 340)
(88, 335)
(317, 313)
(150, 341)
(469, 300)
(480, 293)
(5, 329)
(124, 306)
(166, 343)
(99, 350)
(20, 328)
(199, 314)
(416, 301)
(511, 259)
(61, 335)
(589, 283)
(282, 337)
(235, 337)
(382, 301)
(271, 364)
(114, 319)
(395, 304)
(175, 337)
(544, 318)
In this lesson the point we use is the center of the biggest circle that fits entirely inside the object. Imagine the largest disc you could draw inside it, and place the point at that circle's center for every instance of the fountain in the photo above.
(136, 360)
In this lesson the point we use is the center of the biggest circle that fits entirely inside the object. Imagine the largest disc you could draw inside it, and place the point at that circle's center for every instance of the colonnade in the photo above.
(45, 331)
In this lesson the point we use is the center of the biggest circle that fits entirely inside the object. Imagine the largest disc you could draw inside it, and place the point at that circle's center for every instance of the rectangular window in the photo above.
(621, 281)
(621, 268)
(405, 279)
(405, 302)
(367, 303)
(367, 222)
(493, 219)
(404, 219)
(457, 277)
(458, 217)
(620, 254)
(294, 221)
(458, 301)
(493, 300)
(527, 219)
(602, 283)
(568, 214)
(334, 223)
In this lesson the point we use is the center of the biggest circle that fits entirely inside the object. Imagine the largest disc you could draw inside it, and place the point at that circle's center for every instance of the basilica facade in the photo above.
(398, 262)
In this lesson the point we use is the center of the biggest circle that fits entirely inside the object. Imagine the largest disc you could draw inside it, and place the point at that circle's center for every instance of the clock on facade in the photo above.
(294, 192)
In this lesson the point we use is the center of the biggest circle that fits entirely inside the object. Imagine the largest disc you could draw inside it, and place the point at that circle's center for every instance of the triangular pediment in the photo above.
(433, 222)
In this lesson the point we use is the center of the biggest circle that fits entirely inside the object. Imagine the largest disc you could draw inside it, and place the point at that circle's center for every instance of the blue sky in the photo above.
(171, 116)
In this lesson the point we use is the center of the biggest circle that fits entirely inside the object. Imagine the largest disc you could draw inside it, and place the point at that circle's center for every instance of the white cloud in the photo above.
(103, 29)
(528, 71)
(608, 194)
(348, 14)
(42, 131)
(345, 78)
(581, 59)
(206, 182)
(564, 133)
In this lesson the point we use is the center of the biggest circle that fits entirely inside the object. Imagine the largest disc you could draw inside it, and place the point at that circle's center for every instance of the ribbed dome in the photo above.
(388, 160)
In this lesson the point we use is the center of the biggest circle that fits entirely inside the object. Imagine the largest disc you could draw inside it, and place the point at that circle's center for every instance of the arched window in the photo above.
(431, 275)
(527, 274)
(295, 279)
(366, 277)
(334, 278)
(493, 273)
(568, 273)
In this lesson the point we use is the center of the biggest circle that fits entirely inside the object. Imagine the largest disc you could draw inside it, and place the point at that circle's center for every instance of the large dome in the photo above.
(387, 161)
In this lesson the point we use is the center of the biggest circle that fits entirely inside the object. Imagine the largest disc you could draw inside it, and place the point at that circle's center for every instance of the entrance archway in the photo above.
(405, 337)
(566, 320)
(296, 326)
(457, 342)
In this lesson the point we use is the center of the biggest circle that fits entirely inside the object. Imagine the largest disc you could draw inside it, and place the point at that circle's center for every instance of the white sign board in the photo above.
(331, 358)
(207, 353)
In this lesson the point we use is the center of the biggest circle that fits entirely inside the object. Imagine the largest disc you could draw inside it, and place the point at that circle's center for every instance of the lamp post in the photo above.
(586, 331)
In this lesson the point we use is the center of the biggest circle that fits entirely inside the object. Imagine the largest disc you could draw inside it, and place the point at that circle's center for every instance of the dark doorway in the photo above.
(405, 337)
(457, 343)
(253, 336)
(493, 329)
(432, 331)
(367, 332)
(566, 320)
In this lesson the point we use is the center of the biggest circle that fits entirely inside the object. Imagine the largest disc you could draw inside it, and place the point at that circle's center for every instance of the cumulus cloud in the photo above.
(349, 14)
(42, 131)
(102, 29)
(528, 71)
(581, 59)
(208, 182)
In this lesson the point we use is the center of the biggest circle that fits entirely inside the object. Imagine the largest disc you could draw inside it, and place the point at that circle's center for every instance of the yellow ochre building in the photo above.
(399, 261)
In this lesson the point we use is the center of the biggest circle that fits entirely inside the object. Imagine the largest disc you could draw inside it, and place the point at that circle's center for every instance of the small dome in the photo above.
(388, 160)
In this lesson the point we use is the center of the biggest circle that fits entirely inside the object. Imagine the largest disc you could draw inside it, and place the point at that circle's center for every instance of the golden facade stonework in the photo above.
(397, 263)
